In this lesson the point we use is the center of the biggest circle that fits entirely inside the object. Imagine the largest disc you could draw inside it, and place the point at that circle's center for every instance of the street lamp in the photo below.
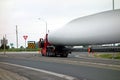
(45, 23)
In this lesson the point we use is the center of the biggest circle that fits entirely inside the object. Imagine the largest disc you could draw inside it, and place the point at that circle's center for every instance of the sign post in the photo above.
(25, 38)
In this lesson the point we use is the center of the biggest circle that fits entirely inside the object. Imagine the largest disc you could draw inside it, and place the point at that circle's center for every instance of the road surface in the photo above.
(33, 65)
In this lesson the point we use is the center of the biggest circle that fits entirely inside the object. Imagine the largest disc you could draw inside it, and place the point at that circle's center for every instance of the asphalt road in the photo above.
(85, 68)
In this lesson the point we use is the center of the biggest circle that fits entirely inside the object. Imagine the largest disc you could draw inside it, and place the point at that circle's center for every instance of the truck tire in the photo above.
(42, 54)
(64, 55)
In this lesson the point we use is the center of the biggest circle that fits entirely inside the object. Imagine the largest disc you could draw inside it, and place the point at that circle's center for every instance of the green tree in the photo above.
(6, 47)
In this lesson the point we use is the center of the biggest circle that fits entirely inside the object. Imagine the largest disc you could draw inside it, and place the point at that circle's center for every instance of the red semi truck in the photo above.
(48, 49)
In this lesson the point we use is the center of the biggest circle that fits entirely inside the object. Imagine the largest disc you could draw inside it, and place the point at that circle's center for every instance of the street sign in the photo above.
(31, 44)
(25, 37)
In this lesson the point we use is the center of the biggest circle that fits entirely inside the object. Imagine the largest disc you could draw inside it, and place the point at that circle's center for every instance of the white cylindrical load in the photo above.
(101, 28)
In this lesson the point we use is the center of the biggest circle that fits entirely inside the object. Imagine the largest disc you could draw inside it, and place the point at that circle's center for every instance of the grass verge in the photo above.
(19, 49)
(108, 56)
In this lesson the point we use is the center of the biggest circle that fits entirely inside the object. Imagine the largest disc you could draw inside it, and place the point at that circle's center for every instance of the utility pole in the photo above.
(113, 8)
(16, 36)
(113, 5)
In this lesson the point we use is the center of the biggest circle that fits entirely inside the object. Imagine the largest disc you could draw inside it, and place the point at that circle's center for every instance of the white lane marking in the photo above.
(44, 71)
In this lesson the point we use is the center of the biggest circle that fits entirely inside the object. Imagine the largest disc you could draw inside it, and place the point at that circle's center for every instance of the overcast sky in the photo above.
(30, 16)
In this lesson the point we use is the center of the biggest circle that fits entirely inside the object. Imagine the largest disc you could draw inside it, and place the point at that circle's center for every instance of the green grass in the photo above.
(108, 56)
(19, 50)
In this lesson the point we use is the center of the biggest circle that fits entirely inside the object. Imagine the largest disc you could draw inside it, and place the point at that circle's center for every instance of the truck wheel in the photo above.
(64, 55)
(55, 55)
(42, 54)
(48, 54)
